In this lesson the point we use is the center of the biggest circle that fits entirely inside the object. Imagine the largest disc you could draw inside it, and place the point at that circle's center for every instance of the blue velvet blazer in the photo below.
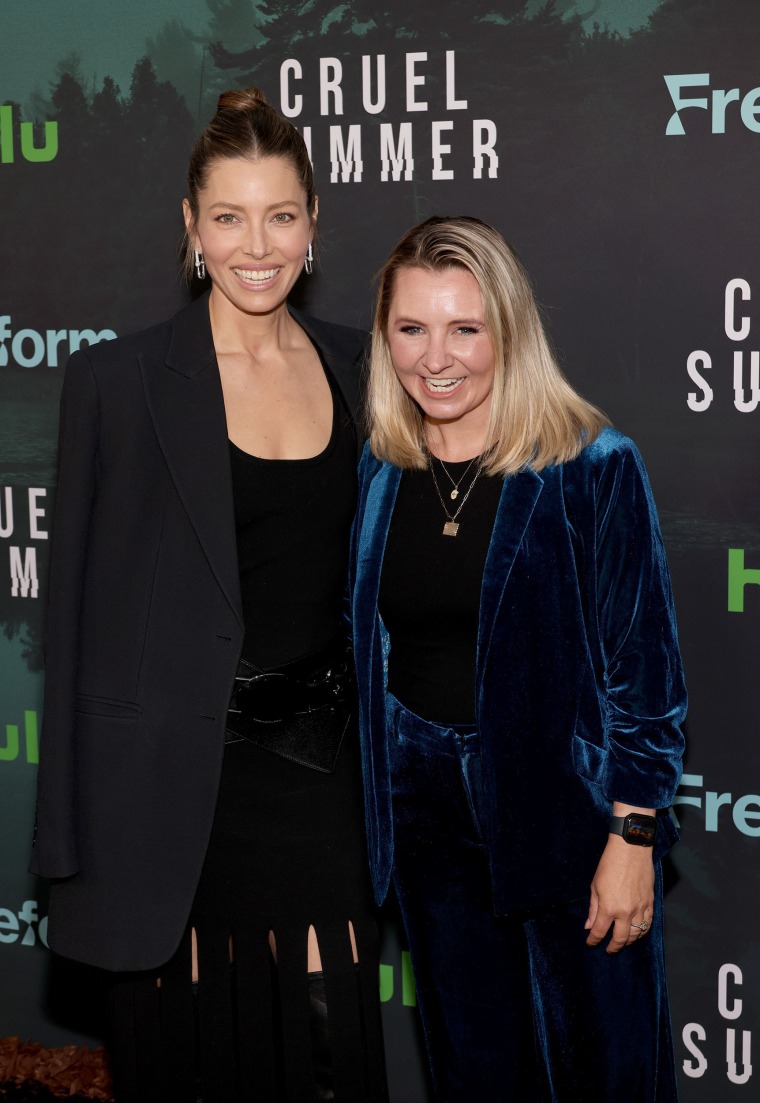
(580, 692)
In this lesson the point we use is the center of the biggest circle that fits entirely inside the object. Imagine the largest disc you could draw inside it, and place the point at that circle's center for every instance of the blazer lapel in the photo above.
(184, 396)
(516, 504)
(376, 523)
(347, 374)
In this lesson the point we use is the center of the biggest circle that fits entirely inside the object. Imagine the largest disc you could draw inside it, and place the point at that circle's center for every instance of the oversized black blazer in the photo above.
(144, 632)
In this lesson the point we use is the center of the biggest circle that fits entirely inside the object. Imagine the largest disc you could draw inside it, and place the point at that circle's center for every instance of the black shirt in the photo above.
(430, 591)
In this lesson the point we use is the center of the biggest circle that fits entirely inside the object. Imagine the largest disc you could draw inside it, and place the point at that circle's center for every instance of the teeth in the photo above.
(255, 277)
(443, 384)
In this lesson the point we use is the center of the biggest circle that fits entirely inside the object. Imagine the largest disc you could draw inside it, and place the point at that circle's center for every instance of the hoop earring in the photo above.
(309, 262)
(200, 265)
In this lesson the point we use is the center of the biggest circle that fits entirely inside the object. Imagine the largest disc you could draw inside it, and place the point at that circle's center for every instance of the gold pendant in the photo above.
(451, 528)
(454, 494)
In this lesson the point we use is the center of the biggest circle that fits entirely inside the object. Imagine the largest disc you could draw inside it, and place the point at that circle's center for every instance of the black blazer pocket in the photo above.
(107, 706)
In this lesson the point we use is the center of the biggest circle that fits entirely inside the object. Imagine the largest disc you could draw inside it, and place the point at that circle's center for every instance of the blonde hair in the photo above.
(536, 417)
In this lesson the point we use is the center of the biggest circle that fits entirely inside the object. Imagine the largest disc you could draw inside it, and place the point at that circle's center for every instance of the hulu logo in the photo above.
(13, 740)
(29, 151)
(739, 577)
(387, 982)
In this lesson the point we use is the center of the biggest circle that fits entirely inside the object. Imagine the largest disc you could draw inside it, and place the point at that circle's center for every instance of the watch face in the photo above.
(640, 829)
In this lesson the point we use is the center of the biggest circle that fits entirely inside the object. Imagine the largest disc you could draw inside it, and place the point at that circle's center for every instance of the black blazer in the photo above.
(144, 632)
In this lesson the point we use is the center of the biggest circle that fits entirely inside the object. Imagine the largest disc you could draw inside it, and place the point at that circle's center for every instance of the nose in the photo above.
(437, 356)
(257, 244)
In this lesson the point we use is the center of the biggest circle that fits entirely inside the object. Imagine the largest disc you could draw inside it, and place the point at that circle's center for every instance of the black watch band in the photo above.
(636, 828)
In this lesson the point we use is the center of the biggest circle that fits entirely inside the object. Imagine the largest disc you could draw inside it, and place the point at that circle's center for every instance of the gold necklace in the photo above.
(451, 527)
(455, 492)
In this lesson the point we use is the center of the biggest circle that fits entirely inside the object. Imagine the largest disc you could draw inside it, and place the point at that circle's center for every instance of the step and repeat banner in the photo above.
(616, 143)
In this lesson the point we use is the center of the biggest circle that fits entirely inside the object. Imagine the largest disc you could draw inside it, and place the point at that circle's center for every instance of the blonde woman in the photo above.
(520, 689)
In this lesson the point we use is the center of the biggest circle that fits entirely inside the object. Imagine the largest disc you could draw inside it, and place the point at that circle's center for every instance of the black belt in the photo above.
(299, 711)
(321, 680)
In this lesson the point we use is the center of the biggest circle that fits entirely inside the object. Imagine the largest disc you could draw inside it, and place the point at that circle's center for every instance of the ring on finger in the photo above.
(643, 927)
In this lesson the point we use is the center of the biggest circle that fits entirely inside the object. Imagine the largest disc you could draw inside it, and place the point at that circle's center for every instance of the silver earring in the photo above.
(309, 262)
(200, 265)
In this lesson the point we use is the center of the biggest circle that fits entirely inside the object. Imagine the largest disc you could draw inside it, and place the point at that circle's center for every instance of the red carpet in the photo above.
(29, 1072)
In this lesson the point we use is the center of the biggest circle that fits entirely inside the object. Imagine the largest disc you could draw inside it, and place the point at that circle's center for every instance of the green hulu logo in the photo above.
(739, 577)
(387, 983)
(29, 151)
(13, 740)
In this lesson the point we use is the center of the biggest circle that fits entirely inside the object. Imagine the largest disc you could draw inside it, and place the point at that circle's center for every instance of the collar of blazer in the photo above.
(187, 408)
(191, 349)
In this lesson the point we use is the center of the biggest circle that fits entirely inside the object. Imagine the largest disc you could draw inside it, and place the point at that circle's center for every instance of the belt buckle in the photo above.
(267, 698)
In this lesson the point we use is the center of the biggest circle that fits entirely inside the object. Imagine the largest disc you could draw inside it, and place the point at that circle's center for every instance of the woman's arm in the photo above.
(54, 852)
(645, 694)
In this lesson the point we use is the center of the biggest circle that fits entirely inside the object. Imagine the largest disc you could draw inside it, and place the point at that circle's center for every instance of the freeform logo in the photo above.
(14, 741)
(717, 102)
(23, 926)
(24, 576)
(27, 348)
(745, 810)
(737, 327)
(396, 147)
(730, 1007)
(29, 151)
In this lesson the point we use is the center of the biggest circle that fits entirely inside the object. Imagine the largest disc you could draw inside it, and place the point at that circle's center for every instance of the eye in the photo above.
(283, 217)
(468, 330)
(227, 219)
(412, 331)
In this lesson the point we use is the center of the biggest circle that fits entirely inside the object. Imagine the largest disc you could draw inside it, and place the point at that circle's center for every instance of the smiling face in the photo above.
(441, 351)
(254, 229)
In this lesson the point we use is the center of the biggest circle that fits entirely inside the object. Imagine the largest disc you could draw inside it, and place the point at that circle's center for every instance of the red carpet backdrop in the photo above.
(616, 143)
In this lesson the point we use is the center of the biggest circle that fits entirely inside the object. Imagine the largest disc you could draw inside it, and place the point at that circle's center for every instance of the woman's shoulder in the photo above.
(610, 446)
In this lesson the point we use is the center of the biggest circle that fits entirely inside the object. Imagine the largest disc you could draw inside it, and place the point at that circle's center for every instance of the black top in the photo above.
(430, 591)
(293, 522)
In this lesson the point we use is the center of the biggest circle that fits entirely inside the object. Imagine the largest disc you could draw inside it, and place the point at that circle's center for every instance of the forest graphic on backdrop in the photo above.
(613, 218)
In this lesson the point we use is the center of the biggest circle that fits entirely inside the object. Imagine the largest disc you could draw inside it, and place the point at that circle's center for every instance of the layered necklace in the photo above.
(451, 526)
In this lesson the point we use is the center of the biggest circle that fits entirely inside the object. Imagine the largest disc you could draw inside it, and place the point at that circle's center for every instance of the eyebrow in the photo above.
(271, 207)
(452, 322)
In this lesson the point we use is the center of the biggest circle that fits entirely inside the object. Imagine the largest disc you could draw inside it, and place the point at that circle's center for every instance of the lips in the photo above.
(443, 386)
(256, 276)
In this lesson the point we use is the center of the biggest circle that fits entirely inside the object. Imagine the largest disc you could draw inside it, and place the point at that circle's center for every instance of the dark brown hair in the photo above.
(245, 125)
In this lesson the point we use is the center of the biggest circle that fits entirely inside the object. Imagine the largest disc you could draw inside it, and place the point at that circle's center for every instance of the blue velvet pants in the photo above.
(514, 1008)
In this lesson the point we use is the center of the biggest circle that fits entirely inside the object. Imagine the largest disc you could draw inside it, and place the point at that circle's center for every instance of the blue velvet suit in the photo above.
(579, 685)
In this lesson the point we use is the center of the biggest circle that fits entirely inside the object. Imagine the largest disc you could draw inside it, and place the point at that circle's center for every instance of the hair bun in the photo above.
(241, 99)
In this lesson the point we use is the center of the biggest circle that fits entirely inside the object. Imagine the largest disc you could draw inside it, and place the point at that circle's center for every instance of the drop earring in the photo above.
(200, 265)
(309, 262)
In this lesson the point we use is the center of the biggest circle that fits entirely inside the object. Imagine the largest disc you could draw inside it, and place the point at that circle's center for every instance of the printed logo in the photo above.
(720, 809)
(730, 1007)
(727, 106)
(22, 559)
(26, 745)
(739, 577)
(27, 149)
(23, 926)
(746, 375)
(27, 348)
(396, 146)
(387, 982)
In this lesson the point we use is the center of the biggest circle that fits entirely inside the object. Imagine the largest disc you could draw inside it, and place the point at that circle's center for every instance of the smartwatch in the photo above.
(636, 828)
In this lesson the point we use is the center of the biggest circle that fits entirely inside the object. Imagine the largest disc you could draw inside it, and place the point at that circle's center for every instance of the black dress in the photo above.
(287, 850)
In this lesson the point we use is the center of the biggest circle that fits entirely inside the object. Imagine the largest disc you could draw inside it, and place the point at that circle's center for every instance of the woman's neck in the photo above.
(236, 331)
(452, 442)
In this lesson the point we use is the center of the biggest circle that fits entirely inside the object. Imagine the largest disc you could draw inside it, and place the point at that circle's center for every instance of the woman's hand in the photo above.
(622, 891)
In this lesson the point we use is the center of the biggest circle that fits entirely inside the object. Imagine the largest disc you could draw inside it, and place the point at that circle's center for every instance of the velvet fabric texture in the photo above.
(514, 1008)
(580, 690)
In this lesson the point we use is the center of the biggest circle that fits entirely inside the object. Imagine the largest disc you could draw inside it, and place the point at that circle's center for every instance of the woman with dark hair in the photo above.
(520, 690)
(199, 803)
